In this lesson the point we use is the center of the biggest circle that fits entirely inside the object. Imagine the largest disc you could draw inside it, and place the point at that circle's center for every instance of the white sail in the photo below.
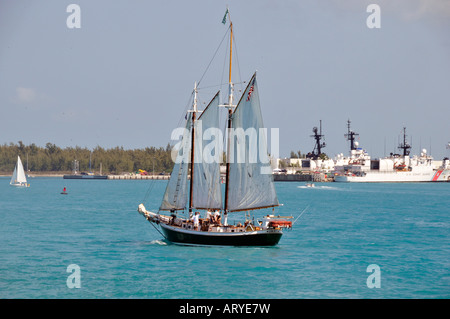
(14, 176)
(250, 183)
(207, 152)
(175, 197)
(18, 177)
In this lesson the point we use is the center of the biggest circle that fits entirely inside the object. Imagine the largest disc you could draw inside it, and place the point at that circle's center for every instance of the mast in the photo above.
(227, 174)
(319, 145)
(191, 185)
(351, 136)
(230, 84)
(404, 146)
(230, 113)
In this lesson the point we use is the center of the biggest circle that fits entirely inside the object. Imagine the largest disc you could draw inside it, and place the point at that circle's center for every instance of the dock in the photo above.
(292, 177)
(312, 177)
(138, 177)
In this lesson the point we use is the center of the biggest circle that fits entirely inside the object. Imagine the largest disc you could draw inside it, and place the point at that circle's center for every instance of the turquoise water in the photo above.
(402, 228)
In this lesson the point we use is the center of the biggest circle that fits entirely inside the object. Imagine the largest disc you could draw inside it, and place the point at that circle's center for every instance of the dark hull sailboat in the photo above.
(249, 183)
(247, 238)
(182, 231)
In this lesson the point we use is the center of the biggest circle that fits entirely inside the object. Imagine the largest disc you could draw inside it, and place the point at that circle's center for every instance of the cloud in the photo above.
(406, 9)
(32, 99)
(419, 9)
(25, 95)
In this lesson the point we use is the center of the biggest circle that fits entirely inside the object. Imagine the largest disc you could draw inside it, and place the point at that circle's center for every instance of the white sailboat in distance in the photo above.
(18, 178)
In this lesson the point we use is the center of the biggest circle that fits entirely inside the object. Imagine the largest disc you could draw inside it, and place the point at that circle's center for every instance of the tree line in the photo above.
(52, 158)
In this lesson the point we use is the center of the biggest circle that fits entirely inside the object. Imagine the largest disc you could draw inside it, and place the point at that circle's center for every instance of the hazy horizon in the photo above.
(125, 77)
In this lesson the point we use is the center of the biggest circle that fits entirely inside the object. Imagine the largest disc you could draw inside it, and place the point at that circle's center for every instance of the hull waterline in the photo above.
(192, 237)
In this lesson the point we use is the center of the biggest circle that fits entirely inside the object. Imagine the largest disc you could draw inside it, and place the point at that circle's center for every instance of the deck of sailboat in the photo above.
(20, 185)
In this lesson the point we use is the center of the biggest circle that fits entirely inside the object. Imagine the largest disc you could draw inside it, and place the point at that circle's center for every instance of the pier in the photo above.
(312, 177)
(292, 177)
(137, 176)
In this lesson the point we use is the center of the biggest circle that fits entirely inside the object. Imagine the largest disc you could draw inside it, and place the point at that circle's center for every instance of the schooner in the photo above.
(195, 182)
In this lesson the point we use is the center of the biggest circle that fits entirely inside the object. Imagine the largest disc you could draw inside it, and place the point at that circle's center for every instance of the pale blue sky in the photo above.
(126, 76)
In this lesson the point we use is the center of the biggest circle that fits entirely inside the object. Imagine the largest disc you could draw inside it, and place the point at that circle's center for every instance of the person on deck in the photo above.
(217, 217)
(196, 220)
(225, 219)
(208, 216)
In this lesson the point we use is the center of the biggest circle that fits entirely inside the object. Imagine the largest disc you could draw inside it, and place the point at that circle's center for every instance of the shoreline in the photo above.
(36, 175)
(110, 176)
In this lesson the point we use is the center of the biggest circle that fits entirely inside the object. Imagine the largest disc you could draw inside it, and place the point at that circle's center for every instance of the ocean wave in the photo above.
(158, 242)
(431, 224)
(319, 187)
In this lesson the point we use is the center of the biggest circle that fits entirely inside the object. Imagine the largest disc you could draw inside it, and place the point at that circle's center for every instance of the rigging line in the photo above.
(218, 85)
(211, 86)
(224, 65)
(237, 61)
(182, 117)
(300, 214)
(171, 142)
(215, 53)
(158, 230)
(149, 190)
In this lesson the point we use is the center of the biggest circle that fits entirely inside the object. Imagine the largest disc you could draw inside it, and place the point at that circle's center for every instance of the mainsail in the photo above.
(207, 192)
(250, 183)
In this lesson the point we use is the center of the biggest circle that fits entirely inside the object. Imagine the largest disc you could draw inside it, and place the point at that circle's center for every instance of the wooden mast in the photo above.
(191, 184)
(231, 50)
(230, 112)
(227, 176)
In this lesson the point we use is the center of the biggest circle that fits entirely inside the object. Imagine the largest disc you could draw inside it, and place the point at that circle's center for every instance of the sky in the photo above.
(125, 77)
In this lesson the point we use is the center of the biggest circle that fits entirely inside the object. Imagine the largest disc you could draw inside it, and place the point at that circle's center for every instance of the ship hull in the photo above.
(177, 235)
(369, 178)
(24, 185)
(396, 177)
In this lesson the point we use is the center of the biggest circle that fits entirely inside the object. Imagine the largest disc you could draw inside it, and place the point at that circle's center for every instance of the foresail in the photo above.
(175, 197)
(14, 176)
(250, 183)
(207, 192)
(21, 178)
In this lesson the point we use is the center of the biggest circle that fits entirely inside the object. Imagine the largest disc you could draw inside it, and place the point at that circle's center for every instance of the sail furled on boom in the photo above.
(250, 183)
(207, 192)
(175, 197)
